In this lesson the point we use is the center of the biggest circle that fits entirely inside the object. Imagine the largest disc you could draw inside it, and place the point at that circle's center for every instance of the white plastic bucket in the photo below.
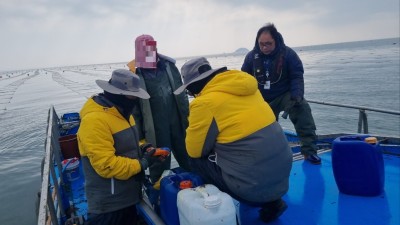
(71, 168)
(205, 205)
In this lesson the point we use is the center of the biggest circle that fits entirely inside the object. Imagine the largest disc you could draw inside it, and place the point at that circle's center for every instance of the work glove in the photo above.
(145, 146)
(153, 155)
(296, 99)
(147, 156)
(161, 153)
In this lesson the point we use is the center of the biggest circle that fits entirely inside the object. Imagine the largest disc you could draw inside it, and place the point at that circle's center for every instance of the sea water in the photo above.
(362, 73)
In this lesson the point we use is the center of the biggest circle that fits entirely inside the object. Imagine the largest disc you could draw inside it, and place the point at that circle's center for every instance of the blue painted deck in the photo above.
(314, 198)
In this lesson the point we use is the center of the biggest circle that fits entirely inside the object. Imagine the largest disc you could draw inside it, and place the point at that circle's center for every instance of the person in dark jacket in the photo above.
(250, 159)
(113, 162)
(279, 73)
(162, 119)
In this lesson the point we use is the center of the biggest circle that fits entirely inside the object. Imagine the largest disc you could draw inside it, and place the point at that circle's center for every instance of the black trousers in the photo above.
(125, 216)
(302, 119)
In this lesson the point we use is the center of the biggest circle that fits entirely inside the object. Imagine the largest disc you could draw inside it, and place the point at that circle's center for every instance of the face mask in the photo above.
(146, 52)
(124, 103)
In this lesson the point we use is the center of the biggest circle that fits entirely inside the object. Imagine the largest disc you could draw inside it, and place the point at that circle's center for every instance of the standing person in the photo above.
(279, 73)
(233, 138)
(162, 119)
(112, 160)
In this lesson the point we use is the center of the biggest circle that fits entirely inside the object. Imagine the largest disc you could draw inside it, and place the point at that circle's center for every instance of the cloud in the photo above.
(44, 33)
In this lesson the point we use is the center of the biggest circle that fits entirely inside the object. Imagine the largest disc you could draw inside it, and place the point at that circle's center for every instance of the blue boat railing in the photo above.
(362, 118)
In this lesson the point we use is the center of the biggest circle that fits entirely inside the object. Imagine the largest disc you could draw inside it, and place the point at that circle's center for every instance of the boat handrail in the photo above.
(362, 119)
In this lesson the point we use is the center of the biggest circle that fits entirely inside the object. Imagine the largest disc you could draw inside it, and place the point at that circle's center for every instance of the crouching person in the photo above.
(113, 162)
(233, 138)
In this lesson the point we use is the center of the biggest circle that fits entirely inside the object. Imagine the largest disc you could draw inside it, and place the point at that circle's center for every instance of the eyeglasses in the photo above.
(266, 44)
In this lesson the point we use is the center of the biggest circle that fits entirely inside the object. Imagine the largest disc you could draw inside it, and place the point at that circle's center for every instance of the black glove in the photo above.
(297, 99)
(145, 146)
(147, 156)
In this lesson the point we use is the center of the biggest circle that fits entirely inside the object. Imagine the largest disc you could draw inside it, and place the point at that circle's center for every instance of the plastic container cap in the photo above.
(371, 140)
(185, 184)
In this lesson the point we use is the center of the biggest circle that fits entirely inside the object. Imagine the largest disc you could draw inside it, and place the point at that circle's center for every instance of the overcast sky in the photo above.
(47, 33)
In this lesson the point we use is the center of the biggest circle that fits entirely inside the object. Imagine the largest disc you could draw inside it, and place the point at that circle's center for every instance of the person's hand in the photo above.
(162, 153)
(293, 101)
(297, 99)
(144, 147)
(153, 155)
(147, 156)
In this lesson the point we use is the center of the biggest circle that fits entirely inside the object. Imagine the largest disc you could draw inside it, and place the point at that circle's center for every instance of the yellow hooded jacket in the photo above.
(109, 147)
(229, 118)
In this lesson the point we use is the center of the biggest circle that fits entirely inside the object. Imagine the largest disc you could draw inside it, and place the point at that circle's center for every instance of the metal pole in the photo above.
(365, 122)
(359, 121)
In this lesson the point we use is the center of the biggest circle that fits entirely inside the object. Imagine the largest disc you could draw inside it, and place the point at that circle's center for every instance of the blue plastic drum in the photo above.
(358, 166)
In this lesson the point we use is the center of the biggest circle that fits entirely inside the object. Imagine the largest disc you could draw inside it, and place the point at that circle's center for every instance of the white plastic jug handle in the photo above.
(202, 191)
(210, 201)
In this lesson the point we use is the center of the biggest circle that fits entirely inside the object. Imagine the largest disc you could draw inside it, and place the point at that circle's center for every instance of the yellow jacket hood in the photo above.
(91, 106)
(233, 82)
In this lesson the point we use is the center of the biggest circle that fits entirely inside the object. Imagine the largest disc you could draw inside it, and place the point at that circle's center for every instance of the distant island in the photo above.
(241, 51)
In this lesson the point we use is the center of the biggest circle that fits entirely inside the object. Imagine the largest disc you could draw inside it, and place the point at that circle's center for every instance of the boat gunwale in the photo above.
(44, 192)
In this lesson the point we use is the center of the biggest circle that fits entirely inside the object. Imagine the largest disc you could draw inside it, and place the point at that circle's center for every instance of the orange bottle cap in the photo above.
(371, 140)
(185, 184)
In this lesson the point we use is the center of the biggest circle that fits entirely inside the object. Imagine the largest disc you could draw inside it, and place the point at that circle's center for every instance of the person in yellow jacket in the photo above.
(113, 162)
(233, 139)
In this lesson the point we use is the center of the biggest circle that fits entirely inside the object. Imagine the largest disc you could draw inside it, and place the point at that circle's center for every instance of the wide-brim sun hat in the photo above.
(190, 72)
(123, 82)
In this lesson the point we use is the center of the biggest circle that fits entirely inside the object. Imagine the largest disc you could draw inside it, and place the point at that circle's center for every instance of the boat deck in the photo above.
(314, 198)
